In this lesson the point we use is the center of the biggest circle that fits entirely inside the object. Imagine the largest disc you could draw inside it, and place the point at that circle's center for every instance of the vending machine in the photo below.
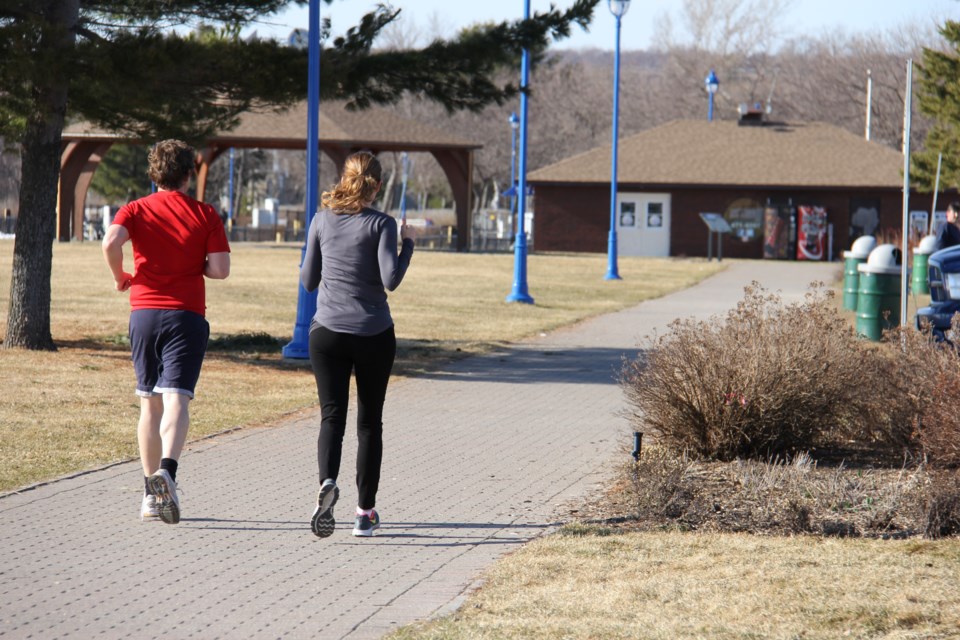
(779, 231)
(811, 233)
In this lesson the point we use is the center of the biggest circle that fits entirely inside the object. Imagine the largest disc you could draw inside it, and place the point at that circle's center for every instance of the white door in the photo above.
(643, 224)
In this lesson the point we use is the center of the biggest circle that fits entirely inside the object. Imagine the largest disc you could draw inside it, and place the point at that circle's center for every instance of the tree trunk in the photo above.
(28, 319)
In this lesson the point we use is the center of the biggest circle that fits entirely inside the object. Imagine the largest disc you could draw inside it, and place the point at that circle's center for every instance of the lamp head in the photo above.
(618, 7)
(514, 120)
(711, 82)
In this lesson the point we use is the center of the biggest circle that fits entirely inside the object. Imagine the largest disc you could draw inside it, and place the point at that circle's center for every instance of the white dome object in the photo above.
(885, 259)
(861, 247)
(928, 244)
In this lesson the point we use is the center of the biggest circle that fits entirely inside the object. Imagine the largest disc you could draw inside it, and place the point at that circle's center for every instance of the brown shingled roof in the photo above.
(375, 127)
(698, 152)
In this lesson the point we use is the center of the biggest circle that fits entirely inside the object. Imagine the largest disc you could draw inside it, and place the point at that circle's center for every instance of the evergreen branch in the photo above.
(455, 73)
(149, 12)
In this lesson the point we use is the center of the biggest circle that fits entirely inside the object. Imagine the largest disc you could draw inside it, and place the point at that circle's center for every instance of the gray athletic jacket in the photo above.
(353, 259)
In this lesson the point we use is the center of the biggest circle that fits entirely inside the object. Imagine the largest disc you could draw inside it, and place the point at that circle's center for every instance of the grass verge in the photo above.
(589, 583)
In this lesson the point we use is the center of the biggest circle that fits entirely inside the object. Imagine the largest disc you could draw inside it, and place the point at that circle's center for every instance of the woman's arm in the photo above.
(392, 266)
(311, 268)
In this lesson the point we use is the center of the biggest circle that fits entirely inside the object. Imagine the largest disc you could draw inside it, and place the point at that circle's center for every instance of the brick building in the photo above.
(756, 175)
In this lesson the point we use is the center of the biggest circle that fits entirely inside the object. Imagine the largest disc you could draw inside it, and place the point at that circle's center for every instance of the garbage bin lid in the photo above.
(884, 259)
(861, 247)
(928, 244)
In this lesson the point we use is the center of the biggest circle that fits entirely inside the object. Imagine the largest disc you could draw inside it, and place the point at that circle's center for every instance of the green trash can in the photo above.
(852, 259)
(878, 298)
(921, 256)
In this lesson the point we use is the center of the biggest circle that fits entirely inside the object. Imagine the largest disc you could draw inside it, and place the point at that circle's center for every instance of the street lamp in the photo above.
(514, 125)
(299, 346)
(712, 84)
(618, 8)
(519, 291)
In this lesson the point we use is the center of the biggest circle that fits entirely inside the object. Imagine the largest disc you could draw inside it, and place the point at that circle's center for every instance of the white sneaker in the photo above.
(166, 491)
(322, 523)
(148, 509)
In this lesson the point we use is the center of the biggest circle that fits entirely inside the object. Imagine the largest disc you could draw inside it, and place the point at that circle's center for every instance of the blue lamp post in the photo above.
(519, 292)
(618, 8)
(299, 346)
(712, 84)
(514, 125)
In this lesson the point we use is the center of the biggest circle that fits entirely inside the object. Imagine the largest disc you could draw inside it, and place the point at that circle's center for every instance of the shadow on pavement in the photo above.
(533, 366)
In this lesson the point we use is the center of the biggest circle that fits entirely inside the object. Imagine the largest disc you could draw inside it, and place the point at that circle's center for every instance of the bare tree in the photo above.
(825, 79)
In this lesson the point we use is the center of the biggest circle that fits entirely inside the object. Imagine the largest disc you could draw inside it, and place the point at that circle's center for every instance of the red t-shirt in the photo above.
(171, 235)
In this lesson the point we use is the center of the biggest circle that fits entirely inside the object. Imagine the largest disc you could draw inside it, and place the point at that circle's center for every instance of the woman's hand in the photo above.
(407, 232)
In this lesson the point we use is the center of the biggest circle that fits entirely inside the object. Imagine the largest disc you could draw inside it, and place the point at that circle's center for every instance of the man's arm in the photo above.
(112, 246)
(218, 265)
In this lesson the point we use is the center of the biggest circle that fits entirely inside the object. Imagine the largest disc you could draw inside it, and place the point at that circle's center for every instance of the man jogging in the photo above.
(177, 241)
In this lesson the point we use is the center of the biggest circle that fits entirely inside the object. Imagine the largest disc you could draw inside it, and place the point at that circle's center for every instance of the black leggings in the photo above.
(333, 357)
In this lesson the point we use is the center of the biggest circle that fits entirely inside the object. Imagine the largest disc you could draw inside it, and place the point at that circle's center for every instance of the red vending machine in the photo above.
(812, 233)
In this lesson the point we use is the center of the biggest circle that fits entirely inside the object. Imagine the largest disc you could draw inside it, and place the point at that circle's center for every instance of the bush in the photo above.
(942, 505)
(779, 388)
(931, 370)
(768, 379)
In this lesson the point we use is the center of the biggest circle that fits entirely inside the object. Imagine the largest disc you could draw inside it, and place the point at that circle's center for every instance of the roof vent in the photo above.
(751, 115)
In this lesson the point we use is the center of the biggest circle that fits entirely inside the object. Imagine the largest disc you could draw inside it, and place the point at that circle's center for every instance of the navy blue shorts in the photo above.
(167, 347)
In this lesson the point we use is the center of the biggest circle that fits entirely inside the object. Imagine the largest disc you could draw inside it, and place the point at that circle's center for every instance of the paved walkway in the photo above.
(480, 456)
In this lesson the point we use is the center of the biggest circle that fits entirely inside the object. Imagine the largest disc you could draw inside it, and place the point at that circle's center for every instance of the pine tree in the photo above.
(119, 65)
(122, 174)
(938, 96)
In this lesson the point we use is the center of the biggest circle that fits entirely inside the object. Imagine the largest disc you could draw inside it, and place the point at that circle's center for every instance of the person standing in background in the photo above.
(351, 259)
(177, 241)
(949, 233)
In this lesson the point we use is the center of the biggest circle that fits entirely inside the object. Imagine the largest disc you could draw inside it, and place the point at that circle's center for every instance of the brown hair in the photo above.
(170, 163)
(358, 184)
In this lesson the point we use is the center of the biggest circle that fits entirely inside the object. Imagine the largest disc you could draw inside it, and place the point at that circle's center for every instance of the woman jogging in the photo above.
(351, 255)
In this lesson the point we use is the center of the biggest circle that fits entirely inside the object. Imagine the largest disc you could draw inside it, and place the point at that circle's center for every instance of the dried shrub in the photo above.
(782, 496)
(735, 403)
(660, 483)
(767, 379)
(931, 371)
(942, 505)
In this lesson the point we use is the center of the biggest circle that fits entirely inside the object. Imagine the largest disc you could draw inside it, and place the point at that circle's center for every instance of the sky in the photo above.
(805, 17)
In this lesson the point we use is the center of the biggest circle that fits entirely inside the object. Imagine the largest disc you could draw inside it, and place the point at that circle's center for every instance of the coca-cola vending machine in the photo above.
(811, 233)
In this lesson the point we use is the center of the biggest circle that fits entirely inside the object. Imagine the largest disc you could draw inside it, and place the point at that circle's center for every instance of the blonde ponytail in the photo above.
(358, 184)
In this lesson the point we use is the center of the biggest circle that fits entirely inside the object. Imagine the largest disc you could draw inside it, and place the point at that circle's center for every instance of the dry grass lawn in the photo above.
(668, 586)
(75, 409)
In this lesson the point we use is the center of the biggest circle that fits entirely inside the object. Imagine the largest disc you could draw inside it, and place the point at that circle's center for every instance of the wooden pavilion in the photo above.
(342, 132)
